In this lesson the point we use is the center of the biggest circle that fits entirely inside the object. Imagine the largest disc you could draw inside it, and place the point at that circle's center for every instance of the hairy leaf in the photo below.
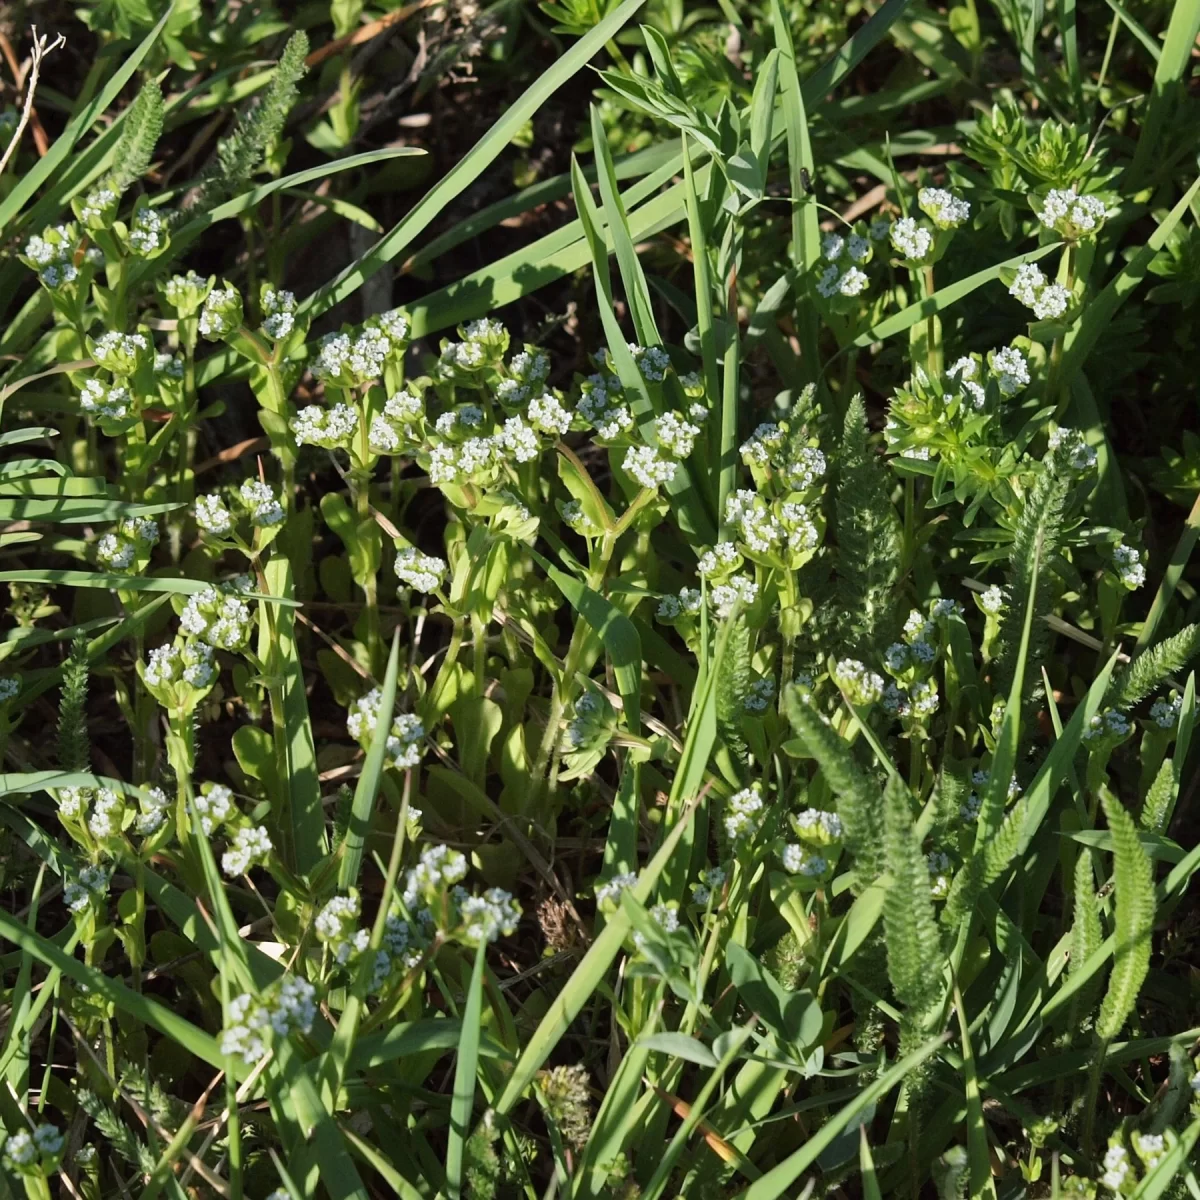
(1133, 877)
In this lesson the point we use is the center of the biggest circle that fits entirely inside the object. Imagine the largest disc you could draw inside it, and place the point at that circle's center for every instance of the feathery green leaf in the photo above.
(1133, 877)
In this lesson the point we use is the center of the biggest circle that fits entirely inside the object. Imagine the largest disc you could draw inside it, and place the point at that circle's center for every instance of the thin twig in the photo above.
(40, 49)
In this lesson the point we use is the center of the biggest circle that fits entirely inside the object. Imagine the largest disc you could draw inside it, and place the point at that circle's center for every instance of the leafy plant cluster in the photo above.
(700, 705)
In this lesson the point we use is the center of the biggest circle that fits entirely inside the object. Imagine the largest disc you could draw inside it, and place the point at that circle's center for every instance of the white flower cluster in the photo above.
(279, 312)
(403, 746)
(1069, 445)
(464, 419)
(836, 282)
(1031, 287)
(744, 814)
(1010, 369)
(43, 1146)
(675, 435)
(648, 467)
(290, 1008)
(992, 601)
(798, 861)
(134, 537)
(10, 685)
(1127, 562)
(519, 440)
(804, 469)
(602, 405)
(1072, 215)
(862, 686)
(1116, 1167)
(712, 880)
(261, 503)
(214, 803)
(1164, 712)
(737, 590)
(219, 616)
(844, 256)
(762, 532)
(211, 514)
(221, 314)
(154, 805)
(835, 246)
(685, 604)
(391, 430)
(421, 572)
(91, 886)
(452, 464)
(109, 402)
(919, 701)
(652, 361)
(336, 926)
(815, 824)
(98, 206)
(148, 232)
(943, 208)
(250, 845)
(348, 361)
(488, 917)
(608, 893)
(331, 428)
(52, 254)
(1109, 724)
(911, 241)
(120, 353)
(759, 696)
(437, 869)
(591, 711)
(186, 293)
(547, 415)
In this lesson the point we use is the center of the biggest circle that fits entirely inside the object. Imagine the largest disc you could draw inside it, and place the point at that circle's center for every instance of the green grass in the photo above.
(639, 653)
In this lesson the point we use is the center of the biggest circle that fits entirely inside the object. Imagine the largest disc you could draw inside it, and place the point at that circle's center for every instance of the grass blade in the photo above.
(469, 167)
(464, 1078)
(368, 782)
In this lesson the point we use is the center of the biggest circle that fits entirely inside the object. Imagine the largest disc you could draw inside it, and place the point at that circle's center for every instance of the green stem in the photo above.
(1055, 385)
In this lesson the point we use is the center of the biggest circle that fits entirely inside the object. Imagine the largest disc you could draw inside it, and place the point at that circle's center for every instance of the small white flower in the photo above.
(214, 806)
(723, 557)
(734, 591)
(910, 240)
(1116, 1167)
(675, 435)
(519, 440)
(330, 428)
(608, 893)
(646, 466)
(744, 814)
(652, 361)
(862, 685)
(1052, 302)
(832, 245)
(1165, 711)
(116, 552)
(261, 503)
(1012, 370)
(761, 446)
(487, 917)
(992, 600)
(251, 845)
(1129, 566)
(547, 414)
(423, 572)
(944, 208)
(1027, 284)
